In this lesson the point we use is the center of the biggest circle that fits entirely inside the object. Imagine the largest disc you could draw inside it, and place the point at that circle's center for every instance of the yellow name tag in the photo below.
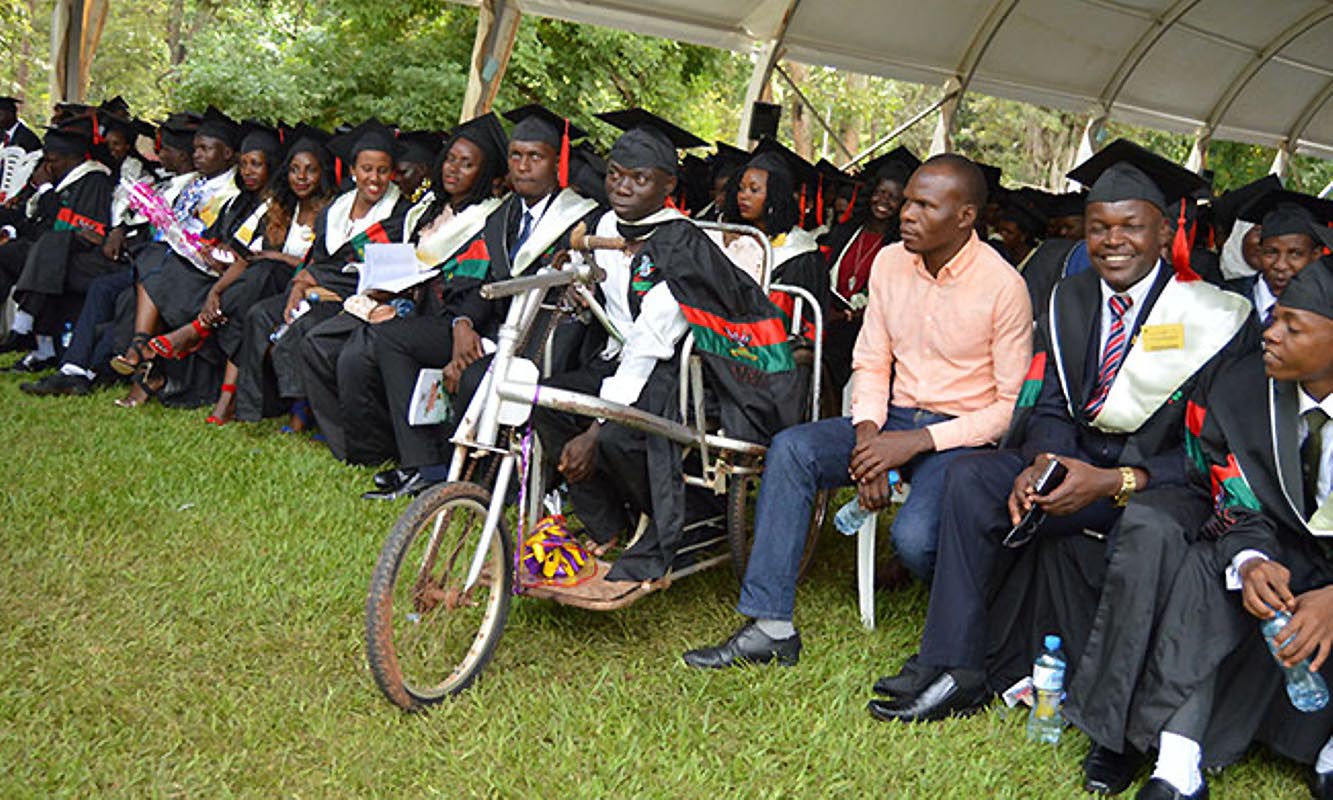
(1163, 337)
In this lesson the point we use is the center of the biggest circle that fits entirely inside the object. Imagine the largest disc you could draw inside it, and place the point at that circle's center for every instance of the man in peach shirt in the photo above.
(936, 371)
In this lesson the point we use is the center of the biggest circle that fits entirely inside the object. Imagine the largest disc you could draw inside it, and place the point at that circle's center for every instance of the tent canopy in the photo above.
(1239, 70)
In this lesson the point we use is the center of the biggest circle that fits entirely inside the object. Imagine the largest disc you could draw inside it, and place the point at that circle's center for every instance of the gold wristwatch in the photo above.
(1128, 483)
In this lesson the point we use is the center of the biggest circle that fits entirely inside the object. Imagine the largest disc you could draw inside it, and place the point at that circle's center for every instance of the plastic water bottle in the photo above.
(852, 516)
(66, 336)
(1047, 719)
(1307, 690)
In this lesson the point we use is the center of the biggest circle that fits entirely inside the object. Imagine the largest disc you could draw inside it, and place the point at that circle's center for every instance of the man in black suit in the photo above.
(1121, 345)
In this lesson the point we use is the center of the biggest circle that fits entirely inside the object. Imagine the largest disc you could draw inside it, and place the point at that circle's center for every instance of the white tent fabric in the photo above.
(1248, 71)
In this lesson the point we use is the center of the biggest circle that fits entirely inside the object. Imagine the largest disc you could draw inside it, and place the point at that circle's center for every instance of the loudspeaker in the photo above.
(764, 120)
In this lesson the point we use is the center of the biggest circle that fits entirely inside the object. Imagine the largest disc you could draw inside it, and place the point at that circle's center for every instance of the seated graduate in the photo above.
(72, 218)
(1020, 227)
(1062, 254)
(298, 192)
(642, 173)
(418, 152)
(1121, 346)
(184, 298)
(1287, 225)
(1064, 217)
(1238, 240)
(723, 165)
(373, 211)
(1207, 687)
(520, 235)
(93, 341)
(851, 248)
(341, 377)
(199, 205)
(936, 371)
(14, 133)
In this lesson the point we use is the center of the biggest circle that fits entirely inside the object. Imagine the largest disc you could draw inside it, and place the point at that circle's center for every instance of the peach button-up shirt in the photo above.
(956, 344)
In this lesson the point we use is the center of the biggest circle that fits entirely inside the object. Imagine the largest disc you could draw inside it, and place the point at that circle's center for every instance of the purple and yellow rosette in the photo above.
(552, 558)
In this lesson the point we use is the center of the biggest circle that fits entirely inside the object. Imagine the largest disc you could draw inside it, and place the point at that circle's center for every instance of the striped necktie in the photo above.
(1113, 355)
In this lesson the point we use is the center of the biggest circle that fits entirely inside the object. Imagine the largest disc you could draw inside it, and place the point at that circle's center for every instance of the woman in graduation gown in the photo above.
(339, 370)
(177, 296)
(851, 249)
(300, 189)
(373, 211)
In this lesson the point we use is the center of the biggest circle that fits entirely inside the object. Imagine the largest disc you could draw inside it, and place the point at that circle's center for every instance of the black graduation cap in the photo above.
(419, 147)
(726, 159)
(695, 179)
(770, 153)
(72, 137)
(216, 125)
(1227, 208)
(897, 165)
(992, 173)
(10, 103)
(115, 122)
(1125, 171)
(177, 130)
(143, 127)
(587, 173)
(1283, 212)
(828, 182)
(116, 105)
(1023, 212)
(487, 133)
(648, 140)
(72, 109)
(306, 139)
(369, 135)
(537, 123)
(1066, 204)
(1311, 290)
(256, 135)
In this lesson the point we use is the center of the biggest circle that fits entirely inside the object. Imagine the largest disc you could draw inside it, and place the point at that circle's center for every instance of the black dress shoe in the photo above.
(749, 645)
(390, 479)
(956, 693)
(413, 486)
(1107, 772)
(911, 681)
(17, 342)
(1158, 789)
(1322, 786)
(58, 384)
(30, 364)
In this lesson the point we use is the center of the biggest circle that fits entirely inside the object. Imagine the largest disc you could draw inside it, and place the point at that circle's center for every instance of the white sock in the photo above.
(1178, 762)
(77, 371)
(1325, 762)
(776, 628)
(46, 348)
(22, 322)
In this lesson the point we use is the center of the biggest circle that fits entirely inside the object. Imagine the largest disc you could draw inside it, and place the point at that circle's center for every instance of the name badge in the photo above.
(1163, 337)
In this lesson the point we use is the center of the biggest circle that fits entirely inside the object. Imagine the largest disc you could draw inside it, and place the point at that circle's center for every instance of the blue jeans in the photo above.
(806, 458)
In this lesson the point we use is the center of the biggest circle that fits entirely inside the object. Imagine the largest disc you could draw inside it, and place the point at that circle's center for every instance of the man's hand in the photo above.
(578, 461)
(1083, 485)
(113, 244)
(1022, 496)
(294, 298)
(887, 450)
(467, 344)
(211, 313)
(1265, 586)
(1310, 632)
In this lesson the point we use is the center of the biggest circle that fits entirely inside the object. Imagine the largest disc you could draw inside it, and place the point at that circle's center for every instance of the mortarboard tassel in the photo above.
(1180, 250)
(97, 131)
(847, 215)
(671, 203)
(564, 156)
(1212, 238)
(801, 222)
(338, 170)
(157, 140)
(819, 202)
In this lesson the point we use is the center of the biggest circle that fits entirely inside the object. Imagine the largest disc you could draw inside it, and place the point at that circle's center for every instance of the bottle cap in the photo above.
(1052, 642)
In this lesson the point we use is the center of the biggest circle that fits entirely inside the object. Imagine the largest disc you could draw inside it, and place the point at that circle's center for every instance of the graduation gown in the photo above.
(1054, 585)
(81, 201)
(748, 363)
(839, 333)
(1243, 444)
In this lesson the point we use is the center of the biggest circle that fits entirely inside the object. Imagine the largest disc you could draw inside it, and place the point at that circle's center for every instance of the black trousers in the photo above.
(973, 521)
(13, 255)
(265, 369)
(598, 501)
(342, 383)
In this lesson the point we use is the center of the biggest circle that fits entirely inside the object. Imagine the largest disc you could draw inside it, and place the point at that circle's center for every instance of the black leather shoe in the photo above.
(413, 486)
(910, 681)
(1107, 772)
(390, 479)
(1158, 789)
(58, 384)
(749, 645)
(17, 342)
(956, 693)
(30, 364)
(1322, 786)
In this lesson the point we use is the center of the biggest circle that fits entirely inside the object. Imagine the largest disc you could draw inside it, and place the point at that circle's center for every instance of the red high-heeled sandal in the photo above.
(163, 346)
(213, 419)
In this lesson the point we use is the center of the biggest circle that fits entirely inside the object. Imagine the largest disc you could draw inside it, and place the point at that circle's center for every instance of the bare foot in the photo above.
(224, 410)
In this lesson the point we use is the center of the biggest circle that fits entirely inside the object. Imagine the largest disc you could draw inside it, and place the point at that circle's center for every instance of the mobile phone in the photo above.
(1046, 482)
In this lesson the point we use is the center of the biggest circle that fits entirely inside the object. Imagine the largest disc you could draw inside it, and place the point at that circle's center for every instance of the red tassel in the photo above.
(1212, 238)
(1180, 250)
(847, 215)
(97, 132)
(564, 157)
(338, 171)
(157, 141)
(801, 222)
(819, 202)
(671, 203)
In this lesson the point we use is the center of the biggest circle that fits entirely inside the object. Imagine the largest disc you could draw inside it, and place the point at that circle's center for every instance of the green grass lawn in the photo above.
(181, 615)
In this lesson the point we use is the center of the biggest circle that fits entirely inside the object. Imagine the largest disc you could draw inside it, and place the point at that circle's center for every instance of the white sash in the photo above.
(336, 232)
(86, 168)
(566, 208)
(414, 215)
(445, 240)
